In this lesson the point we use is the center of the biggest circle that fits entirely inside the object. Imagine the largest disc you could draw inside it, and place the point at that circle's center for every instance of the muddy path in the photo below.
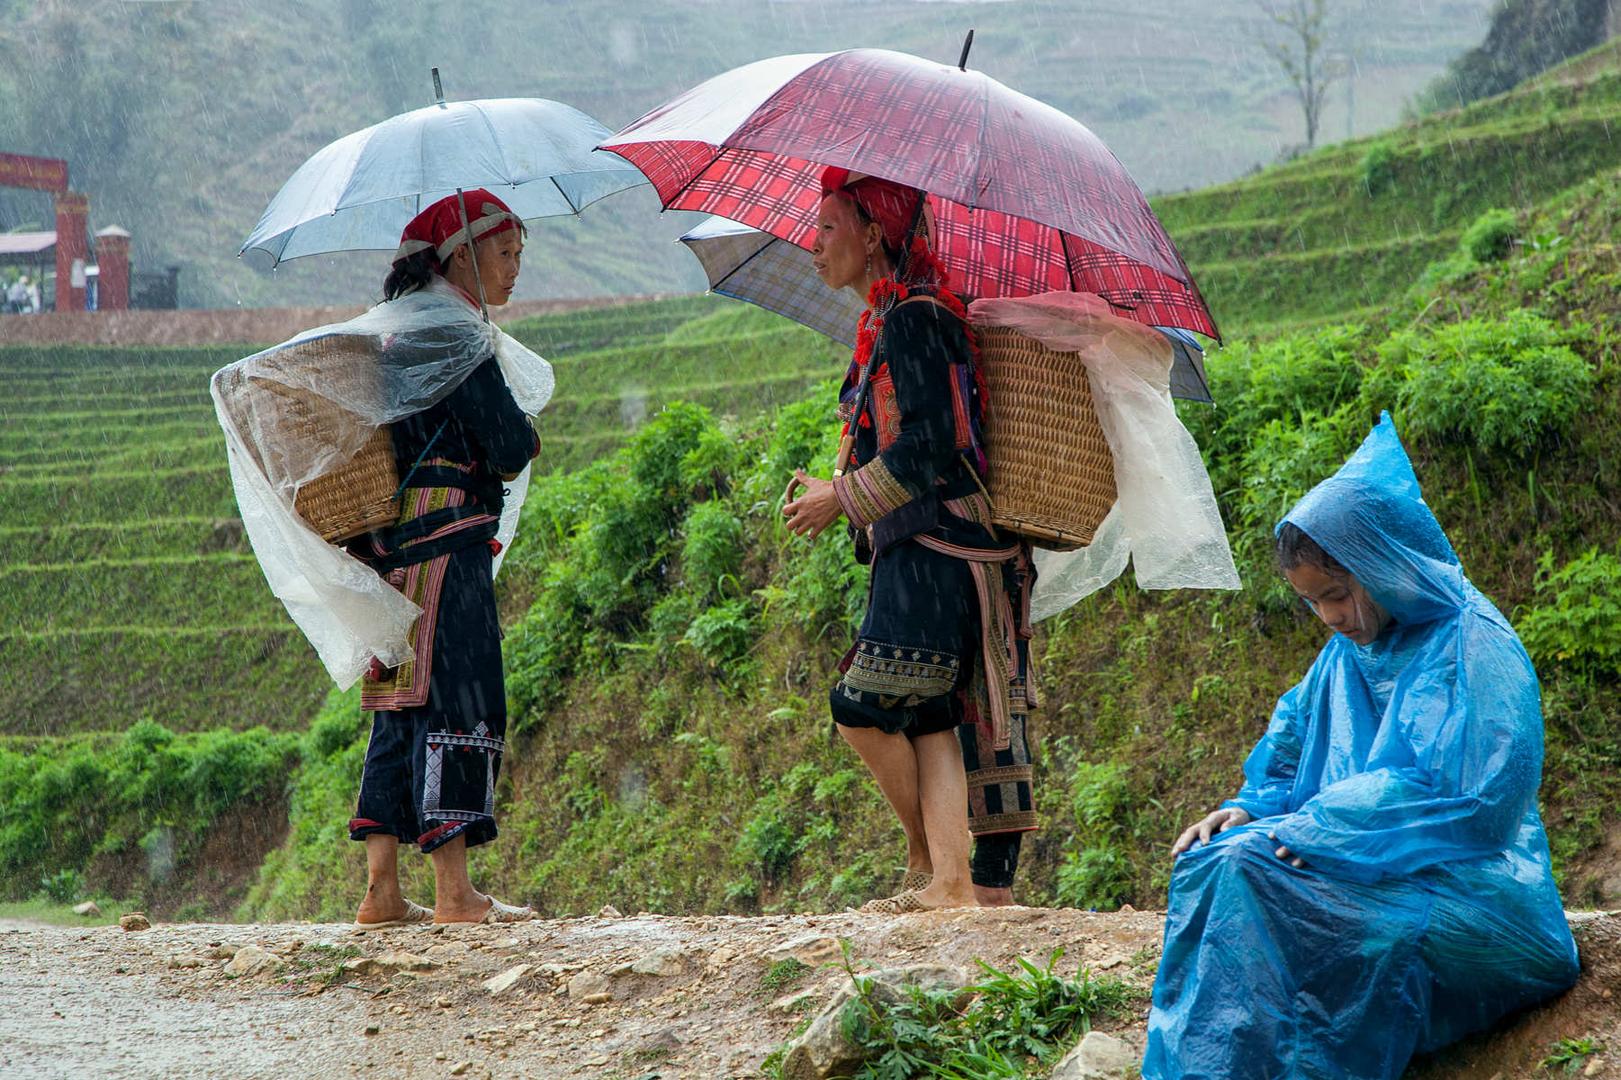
(609, 998)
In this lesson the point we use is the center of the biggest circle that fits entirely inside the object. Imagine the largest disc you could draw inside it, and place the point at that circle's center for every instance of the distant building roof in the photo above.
(26, 243)
(114, 230)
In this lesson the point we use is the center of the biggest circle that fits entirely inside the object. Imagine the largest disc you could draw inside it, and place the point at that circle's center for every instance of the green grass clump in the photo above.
(1504, 385)
(1010, 1023)
(1569, 1055)
(1574, 623)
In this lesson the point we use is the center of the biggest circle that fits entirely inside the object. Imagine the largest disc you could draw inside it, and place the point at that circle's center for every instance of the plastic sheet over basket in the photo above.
(427, 343)
(1164, 521)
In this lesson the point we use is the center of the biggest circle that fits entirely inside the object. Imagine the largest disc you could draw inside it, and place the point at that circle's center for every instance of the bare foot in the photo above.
(940, 894)
(465, 909)
(479, 909)
(382, 904)
(993, 897)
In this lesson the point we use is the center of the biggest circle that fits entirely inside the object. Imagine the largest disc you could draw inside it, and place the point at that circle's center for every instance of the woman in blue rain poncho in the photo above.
(1381, 885)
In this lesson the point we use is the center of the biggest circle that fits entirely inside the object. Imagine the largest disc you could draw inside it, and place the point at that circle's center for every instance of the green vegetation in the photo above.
(669, 645)
(149, 795)
(998, 1027)
(1574, 625)
(1570, 1055)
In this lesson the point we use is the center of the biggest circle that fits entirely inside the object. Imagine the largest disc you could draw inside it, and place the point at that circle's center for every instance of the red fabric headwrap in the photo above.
(890, 204)
(440, 226)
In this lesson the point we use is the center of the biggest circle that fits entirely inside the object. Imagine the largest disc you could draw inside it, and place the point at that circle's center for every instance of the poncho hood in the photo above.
(1371, 516)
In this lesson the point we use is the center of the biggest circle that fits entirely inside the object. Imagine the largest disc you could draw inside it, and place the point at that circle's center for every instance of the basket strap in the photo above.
(474, 534)
(405, 481)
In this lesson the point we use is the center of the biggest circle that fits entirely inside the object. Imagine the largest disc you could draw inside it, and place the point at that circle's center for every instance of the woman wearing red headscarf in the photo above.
(933, 695)
(439, 724)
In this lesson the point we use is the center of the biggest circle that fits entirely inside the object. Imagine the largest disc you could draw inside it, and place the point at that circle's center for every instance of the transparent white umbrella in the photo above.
(358, 193)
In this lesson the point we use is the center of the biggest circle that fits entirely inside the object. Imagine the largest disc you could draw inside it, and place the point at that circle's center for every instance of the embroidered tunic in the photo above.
(944, 644)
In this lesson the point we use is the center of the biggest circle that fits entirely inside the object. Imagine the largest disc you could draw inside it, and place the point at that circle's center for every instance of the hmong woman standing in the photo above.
(935, 692)
(440, 719)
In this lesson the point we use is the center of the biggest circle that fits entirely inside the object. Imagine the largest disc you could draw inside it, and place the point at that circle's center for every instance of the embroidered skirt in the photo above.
(431, 770)
(916, 649)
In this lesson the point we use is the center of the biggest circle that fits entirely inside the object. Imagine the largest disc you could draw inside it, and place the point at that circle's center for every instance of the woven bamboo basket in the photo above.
(360, 493)
(1051, 471)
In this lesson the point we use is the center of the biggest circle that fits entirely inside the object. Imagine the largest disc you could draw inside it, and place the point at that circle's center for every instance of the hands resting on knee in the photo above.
(1220, 821)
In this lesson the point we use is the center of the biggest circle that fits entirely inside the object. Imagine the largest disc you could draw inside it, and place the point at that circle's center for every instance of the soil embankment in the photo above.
(228, 326)
(609, 998)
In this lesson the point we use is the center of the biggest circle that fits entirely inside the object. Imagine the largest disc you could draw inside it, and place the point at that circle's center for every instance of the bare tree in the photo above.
(1301, 55)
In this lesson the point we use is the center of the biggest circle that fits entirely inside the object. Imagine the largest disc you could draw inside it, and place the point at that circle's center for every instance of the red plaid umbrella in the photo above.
(1027, 199)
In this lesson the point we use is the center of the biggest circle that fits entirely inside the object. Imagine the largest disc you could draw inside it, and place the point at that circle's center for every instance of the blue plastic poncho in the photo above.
(1405, 774)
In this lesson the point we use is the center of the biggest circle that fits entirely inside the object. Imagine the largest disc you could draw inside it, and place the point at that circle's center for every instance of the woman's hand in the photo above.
(814, 510)
(1219, 822)
(1285, 854)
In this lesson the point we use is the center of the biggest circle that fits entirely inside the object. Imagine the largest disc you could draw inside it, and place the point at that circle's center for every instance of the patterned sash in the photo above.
(406, 686)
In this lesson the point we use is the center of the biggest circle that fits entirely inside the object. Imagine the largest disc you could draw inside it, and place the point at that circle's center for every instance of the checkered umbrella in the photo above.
(1027, 199)
(756, 267)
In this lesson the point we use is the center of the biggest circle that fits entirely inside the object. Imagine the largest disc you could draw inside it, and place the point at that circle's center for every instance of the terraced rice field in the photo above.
(1354, 224)
(127, 588)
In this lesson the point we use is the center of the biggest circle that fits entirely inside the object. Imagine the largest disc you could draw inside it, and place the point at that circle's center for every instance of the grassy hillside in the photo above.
(672, 750)
(1340, 232)
(217, 104)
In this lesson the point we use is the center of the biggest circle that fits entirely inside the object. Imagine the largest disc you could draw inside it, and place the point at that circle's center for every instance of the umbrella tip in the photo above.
(962, 61)
(439, 89)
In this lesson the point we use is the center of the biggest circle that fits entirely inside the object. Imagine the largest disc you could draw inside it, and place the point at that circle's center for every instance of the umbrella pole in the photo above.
(472, 252)
(461, 203)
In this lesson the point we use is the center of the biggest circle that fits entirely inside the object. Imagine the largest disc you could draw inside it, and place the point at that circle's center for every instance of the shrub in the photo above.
(708, 467)
(1098, 874)
(1492, 236)
(825, 587)
(1285, 380)
(1501, 384)
(1576, 625)
(769, 842)
(712, 550)
(1096, 877)
(1378, 168)
(722, 634)
(62, 887)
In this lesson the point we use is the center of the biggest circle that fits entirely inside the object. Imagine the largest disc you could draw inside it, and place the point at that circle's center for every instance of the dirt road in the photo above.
(609, 998)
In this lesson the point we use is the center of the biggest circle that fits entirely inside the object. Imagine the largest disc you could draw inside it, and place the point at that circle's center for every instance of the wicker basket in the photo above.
(1051, 472)
(361, 493)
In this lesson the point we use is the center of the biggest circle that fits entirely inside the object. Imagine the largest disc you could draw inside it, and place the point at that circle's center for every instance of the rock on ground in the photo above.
(1099, 1057)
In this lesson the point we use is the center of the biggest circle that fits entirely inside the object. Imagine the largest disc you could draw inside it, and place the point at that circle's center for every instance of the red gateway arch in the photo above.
(72, 242)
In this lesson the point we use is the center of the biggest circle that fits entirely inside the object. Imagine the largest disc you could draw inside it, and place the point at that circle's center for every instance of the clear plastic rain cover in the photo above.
(426, 343)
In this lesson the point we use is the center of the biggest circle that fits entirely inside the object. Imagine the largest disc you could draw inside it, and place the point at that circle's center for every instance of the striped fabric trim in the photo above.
(869, 493)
